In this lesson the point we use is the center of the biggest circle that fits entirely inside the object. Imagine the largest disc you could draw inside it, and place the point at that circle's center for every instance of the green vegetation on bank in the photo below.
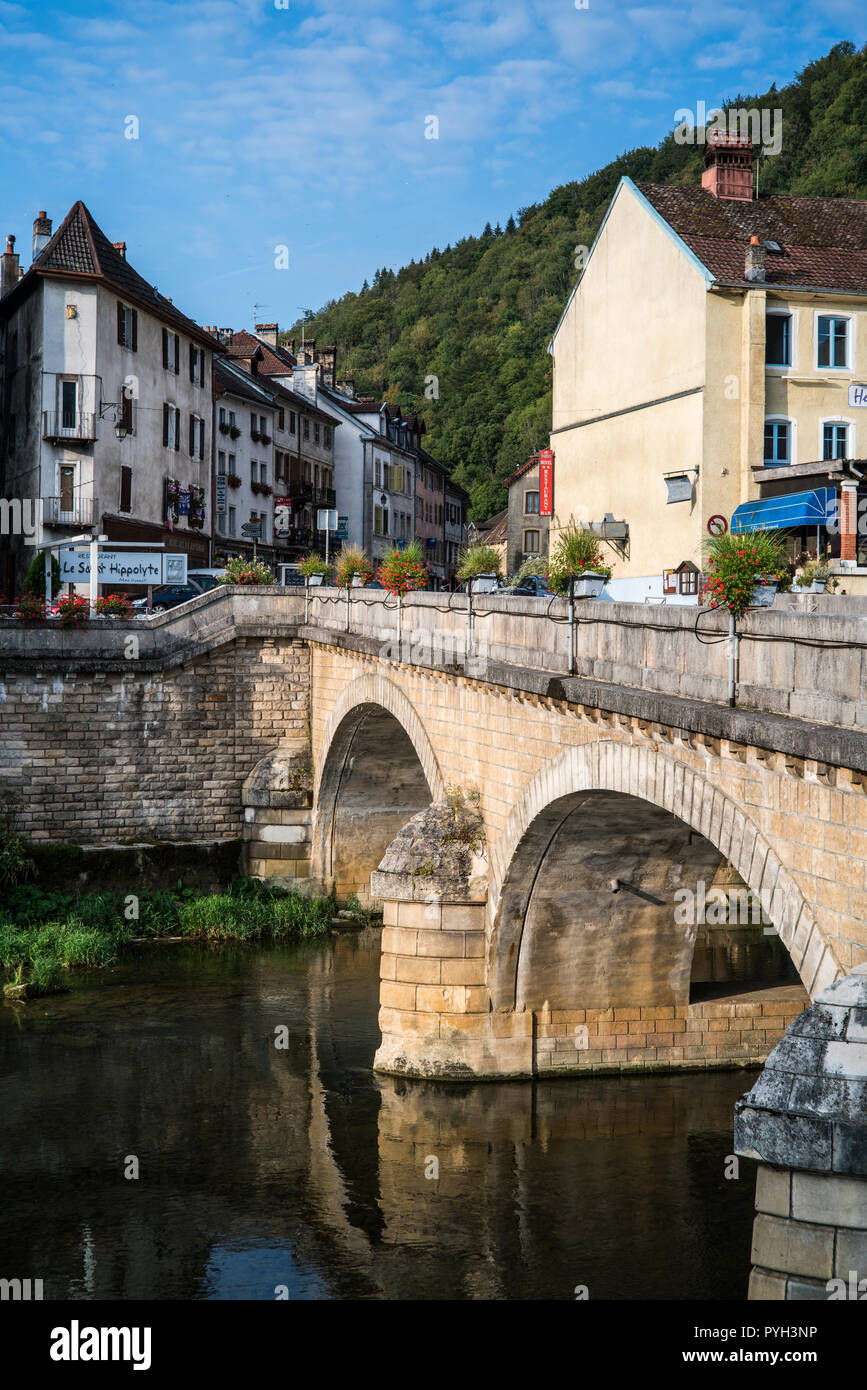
(44, 933)
(478, 316)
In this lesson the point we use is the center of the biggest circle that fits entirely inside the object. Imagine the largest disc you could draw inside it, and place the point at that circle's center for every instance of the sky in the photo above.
(260, 157)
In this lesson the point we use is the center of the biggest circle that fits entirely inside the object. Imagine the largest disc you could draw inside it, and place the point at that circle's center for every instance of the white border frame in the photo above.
(850, 438)
(849, 369)
(778, 419)
(779, 368)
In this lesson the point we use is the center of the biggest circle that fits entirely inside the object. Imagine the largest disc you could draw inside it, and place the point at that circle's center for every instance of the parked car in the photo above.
(205, 579)
(168, 596)
(533, 586)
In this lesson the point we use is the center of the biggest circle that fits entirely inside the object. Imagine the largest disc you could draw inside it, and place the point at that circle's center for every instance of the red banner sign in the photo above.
(546, 482)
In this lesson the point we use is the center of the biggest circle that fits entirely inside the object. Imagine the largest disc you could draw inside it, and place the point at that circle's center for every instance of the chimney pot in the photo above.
(10, 245)
(728, 171)
(120, 247)
(754, 261)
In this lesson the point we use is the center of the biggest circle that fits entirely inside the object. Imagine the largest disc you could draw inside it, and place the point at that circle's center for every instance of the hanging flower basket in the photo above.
(589, 584)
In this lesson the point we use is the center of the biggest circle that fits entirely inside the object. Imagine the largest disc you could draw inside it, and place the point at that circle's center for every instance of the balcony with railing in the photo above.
(69, 426)
(70, 511)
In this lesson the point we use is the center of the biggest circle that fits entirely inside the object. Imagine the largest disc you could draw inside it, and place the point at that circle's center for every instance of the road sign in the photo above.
(326, 519)
(221, 492)
(717, 525)
(123, 567)
(252, 529)
(342, 528)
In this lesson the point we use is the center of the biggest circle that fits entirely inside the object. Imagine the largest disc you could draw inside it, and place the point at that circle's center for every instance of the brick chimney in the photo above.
(267, 332)
(754, 261)
(120, 248)
(728, 167)
(41, 233)
(8, 267)
(327, 359)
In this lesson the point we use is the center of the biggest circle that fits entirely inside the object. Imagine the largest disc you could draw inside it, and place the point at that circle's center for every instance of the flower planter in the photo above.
(587, 585)
(818, 586)
(484, 583)
(357, 580)
(314, 580)
(764, 593)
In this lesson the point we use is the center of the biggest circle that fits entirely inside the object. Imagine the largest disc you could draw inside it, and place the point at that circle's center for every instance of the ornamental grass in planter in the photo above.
(316, 570)
(352, 561)
(402, 571)
(577, 555)
(816, 578)
(479, 567)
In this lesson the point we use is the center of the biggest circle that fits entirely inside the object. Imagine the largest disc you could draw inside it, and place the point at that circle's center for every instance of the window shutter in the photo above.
(177, 355)
(177, 429)
(192, 364)
(134, 331)
(165, 348)
(201, 439)
(192, 436)
(120, 323)
(126, 489)
(165, 427)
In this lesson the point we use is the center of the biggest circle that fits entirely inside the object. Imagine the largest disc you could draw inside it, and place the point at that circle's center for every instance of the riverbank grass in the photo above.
(44, 935)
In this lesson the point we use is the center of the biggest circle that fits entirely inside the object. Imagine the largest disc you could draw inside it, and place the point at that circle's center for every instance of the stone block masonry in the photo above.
(123, 756)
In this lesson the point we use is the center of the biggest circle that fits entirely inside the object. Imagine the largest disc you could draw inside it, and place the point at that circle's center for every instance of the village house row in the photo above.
(129, 420)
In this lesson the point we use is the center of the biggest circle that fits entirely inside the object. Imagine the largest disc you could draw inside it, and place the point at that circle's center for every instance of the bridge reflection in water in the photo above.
(298, 1166)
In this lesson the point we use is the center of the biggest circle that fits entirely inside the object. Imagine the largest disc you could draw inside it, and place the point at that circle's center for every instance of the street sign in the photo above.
(717, 525)
(326, 519)
(123, 567)
(221, 492)
(546, 482)
(252, 529)
(343, 528)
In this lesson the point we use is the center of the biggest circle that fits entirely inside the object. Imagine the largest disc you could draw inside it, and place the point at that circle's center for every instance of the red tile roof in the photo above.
(823, 240)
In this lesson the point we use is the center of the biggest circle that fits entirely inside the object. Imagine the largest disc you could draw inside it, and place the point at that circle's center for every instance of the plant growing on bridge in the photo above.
(403, 570)
(353, 560)
(577, 552)
(244, 571)
(479, 559)
(736, 563)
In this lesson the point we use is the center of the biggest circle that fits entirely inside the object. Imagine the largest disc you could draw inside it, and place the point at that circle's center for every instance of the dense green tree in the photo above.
(478, 316)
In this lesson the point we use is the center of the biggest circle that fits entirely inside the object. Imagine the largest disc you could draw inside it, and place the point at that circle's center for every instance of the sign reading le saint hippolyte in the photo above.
(123, 567)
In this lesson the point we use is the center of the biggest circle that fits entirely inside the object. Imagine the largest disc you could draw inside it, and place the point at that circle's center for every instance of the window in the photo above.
(222, 415)
(254, 424)
(232, 513)
(68, 402)
(278, 464)
(127, 327)
(326, 436)
(291, 421)
(377, 474)
(171, 352)
(232, 465)
(263, 425)
(281, 419)
(221, 461)
(316, 432)
(125, 489)
(67, 487)
(126, 406)
(306, 428)
(835, 441)
(531, 542)
(197, 365)
(232, 419)
(197, 437)
(171, 427)
(832, 341)
(254, 471)
(263, 472)
(778, 340)
(316, 477)
(777, 450)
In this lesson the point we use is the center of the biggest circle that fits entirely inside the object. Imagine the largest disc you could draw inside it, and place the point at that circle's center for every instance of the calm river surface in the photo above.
(262, 1166)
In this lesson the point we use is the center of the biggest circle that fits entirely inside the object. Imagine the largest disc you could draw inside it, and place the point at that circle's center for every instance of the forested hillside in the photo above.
(478, 315)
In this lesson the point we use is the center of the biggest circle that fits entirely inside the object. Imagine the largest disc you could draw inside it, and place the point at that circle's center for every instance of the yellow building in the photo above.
(713, 353)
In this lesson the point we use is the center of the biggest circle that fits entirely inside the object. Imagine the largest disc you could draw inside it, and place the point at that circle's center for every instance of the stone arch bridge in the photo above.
(545, 825)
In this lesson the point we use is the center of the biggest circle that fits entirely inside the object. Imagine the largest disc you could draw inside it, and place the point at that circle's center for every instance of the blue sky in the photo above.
(301, 123)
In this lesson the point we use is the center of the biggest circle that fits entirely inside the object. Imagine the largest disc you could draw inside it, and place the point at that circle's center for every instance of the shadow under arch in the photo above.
(375, 768)
(638, 775)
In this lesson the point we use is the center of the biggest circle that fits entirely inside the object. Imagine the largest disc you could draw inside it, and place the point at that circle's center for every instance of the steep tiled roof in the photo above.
(235, 380)
(495, 530)
(79, 248)
(245, 344)
(823, 240)
(525, 468)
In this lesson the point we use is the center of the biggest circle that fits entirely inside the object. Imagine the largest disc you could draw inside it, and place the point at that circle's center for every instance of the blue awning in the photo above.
(796, 509)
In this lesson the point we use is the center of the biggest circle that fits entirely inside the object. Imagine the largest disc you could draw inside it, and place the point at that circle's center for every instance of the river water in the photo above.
(295, 1168)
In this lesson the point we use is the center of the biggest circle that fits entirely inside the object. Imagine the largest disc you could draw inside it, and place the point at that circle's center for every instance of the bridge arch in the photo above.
(375, 768)
(642, 774)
